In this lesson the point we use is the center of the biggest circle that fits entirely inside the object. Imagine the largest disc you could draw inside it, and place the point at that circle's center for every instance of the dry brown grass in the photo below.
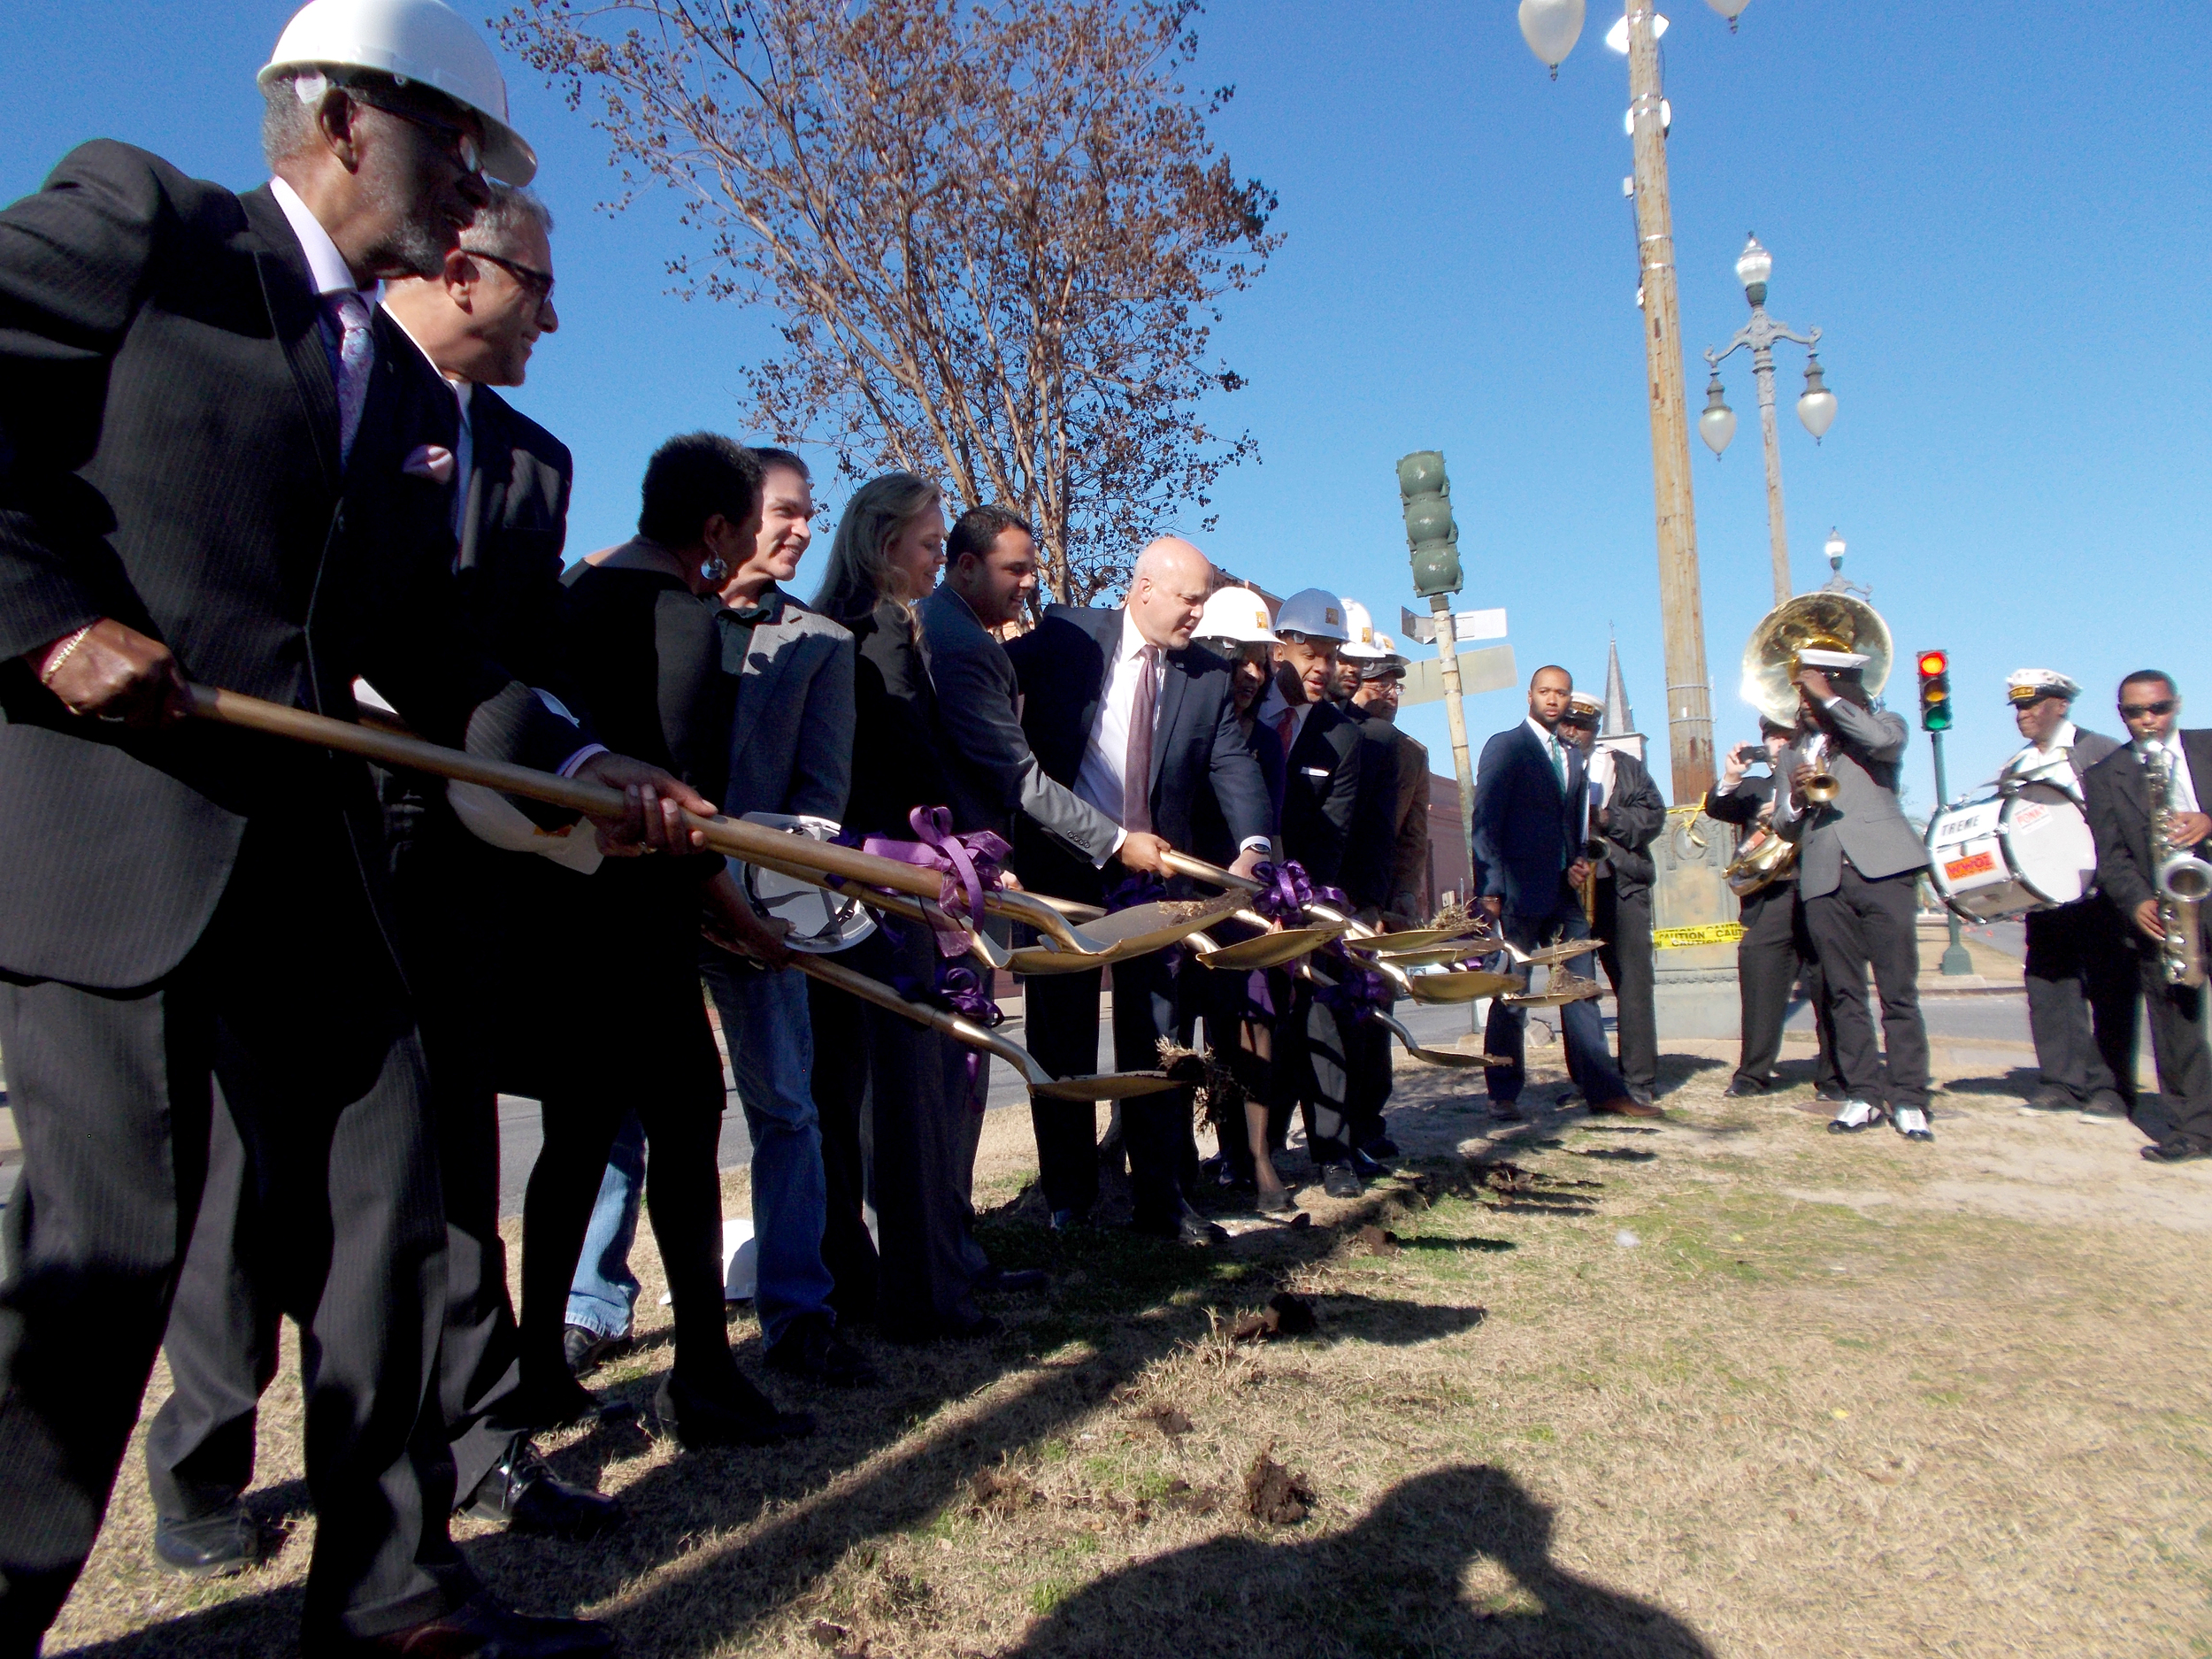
(1725, 1384)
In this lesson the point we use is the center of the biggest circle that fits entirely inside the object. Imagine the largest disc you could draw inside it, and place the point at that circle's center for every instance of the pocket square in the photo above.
(433, 461)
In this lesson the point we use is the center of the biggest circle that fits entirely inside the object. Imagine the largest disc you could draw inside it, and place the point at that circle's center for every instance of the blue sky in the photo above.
(2002, 231)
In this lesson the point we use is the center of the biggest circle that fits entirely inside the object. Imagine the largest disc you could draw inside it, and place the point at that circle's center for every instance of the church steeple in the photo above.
(1617, 721)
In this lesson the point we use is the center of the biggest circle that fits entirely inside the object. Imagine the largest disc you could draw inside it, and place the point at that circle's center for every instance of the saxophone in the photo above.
(2184, 880)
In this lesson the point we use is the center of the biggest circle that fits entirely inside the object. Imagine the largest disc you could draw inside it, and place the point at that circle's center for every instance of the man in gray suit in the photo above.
(2080, 975)
(790, 672)
(1857, 860)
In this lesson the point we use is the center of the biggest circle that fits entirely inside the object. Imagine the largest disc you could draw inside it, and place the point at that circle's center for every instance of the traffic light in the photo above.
(1935, 691)
(1430, 532)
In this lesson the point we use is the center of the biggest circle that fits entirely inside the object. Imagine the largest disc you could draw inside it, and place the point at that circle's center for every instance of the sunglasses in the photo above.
(2137, 710)
(538, 284)
(459, 144)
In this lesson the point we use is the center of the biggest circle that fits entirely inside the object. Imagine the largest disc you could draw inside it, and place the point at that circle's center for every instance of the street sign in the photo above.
(1489, 669)
(1466, 624)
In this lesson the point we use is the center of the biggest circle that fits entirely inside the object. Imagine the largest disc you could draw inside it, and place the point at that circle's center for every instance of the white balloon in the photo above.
(1551, 28)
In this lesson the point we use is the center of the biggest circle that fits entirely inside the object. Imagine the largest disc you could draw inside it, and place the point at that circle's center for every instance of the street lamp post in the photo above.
(1816, 406)
(1551, 28)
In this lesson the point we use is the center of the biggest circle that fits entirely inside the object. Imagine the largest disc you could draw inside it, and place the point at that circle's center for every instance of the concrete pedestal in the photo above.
(1694, 929)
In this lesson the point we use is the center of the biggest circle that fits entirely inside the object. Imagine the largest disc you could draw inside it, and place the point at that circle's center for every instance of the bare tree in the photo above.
(995, 234)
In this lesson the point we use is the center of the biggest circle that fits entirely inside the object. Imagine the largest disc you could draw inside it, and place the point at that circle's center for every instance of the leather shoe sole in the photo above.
(1628, 1106)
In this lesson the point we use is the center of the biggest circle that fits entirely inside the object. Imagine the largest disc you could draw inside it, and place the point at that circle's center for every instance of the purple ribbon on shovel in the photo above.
(971, 865)
(1286, 890)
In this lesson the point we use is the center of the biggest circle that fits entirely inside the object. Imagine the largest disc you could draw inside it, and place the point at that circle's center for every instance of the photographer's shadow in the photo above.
(1391, 1584)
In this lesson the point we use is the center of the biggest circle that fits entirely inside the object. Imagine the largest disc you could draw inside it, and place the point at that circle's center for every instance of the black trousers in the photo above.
(291, 1003)
(640, 1042)
(2178, 1041)
(1865, 925)
(1588, 1062)
(1624, 924)
(1773, 953)
(1061, 1027)
(897, 1092)
(221, 1341)
(2082, 979)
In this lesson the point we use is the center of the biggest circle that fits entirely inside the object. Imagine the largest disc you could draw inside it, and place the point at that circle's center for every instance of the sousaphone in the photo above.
(1823, 621)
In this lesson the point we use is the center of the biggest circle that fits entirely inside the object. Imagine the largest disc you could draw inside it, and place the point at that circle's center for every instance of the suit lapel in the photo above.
(757, 689)
(296, 315)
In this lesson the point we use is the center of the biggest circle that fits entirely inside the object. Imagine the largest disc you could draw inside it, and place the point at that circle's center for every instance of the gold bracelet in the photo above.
(60, 656)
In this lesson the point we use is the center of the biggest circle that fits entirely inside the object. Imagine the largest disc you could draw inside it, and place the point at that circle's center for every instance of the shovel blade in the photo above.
(1106, 1085)
(1458, 987)
(1267, 950)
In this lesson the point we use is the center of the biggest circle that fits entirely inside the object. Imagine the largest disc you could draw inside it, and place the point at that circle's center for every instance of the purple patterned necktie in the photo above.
(1136, 772)
(356, 349)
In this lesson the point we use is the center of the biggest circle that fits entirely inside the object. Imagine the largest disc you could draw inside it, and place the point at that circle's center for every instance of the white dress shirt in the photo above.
(2039, 759)
(2184, 786)
(1098, 780)
(325, 262)
(1555, 752)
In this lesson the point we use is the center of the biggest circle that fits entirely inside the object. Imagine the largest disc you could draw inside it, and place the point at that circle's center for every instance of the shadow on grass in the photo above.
(1457, 1244)
(885, 1460)
(2019, 1084)
(1389, 1585)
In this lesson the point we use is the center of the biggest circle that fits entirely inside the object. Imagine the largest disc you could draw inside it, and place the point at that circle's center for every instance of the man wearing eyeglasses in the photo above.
(205, 432)
(2121, 791)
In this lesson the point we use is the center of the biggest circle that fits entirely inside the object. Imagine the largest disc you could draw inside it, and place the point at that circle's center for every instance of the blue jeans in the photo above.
(1588, 1064)
(604, 1296)
(770, 1040)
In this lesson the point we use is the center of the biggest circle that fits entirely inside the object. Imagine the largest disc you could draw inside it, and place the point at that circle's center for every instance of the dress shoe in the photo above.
(1190, 1227)
(2181, 1148)
(214, 1546)
(1279, 1203)
(521, 1491)
(1506, 1112)
(1857, 1115)
(2103, 1104)
(1381, 1147)
(1626, 1106)
(1744, 1088)
(1341, 1180)
(481, 1629)
(810, 1348)
(1012, 1279)
(1912, 1123)
(1367, 1166)
(2054, 1099)
(737, 1413)
(585, 1350)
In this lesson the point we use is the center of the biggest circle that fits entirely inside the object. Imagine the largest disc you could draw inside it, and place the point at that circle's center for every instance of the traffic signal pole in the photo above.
(1955, 960)
(1935, 719)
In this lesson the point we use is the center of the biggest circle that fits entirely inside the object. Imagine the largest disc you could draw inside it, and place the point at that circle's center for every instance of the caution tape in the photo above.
(1711, 934)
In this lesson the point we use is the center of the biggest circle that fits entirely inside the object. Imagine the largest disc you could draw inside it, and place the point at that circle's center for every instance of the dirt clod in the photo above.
(997, 1493)
(1376, 1241)
(1170, 1420)
(1273, 1495)
(1285, 1314)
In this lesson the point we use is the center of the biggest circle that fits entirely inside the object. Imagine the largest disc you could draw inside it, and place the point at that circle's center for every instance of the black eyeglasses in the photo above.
(459, 144)
(2137, 710)
(538, 283)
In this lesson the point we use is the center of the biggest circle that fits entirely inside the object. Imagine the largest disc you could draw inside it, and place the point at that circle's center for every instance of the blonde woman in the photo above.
(890, 545)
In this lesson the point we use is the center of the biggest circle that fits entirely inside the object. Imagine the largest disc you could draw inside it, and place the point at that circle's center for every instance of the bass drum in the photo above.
(2025, 847)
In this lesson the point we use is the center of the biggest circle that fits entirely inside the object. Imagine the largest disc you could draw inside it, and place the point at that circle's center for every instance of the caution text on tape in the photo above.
(1711, 934)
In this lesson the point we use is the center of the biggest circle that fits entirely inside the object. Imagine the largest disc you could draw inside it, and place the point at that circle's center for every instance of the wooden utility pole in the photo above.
(1689, 696)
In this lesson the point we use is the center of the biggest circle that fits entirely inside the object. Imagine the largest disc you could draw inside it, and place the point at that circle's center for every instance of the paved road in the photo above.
(2001, 1018)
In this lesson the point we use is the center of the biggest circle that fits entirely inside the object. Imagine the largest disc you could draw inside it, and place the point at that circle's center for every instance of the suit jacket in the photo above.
(1864, 823)
(1321, 793)
(1634, 813)
(1528, 829)
(1410, 867)
(514, 526)
(1198, 748)
(1372, 858)
(2119, 806)
(791, 733)
(896, 763)
(994, 771)
(169, 456)
(1212, 838)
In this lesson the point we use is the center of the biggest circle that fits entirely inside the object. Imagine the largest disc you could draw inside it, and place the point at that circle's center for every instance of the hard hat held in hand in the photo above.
(1235, 614)
(1314, 613)
(422, 41)
(1359, 638)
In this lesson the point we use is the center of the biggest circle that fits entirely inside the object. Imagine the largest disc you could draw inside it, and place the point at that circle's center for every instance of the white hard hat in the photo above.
(424, 41)
(1388, 659)
(1359, 634)
(1314, 613)
(1235, 614)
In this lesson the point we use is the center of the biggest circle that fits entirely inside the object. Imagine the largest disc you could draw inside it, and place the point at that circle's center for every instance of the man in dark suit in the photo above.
(1323, 753)
(2081, 972)
(203, 438)
(1121, 710)
(1529, 790)
(1410, 901)
(1367, 883)
(1625, 815)
(1858, 865)
(2121, 799)
(453, 897)
(1775, 952)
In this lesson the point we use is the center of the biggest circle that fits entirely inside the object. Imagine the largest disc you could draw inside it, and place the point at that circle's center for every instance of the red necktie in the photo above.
(1285, 725)
(1136, 772)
